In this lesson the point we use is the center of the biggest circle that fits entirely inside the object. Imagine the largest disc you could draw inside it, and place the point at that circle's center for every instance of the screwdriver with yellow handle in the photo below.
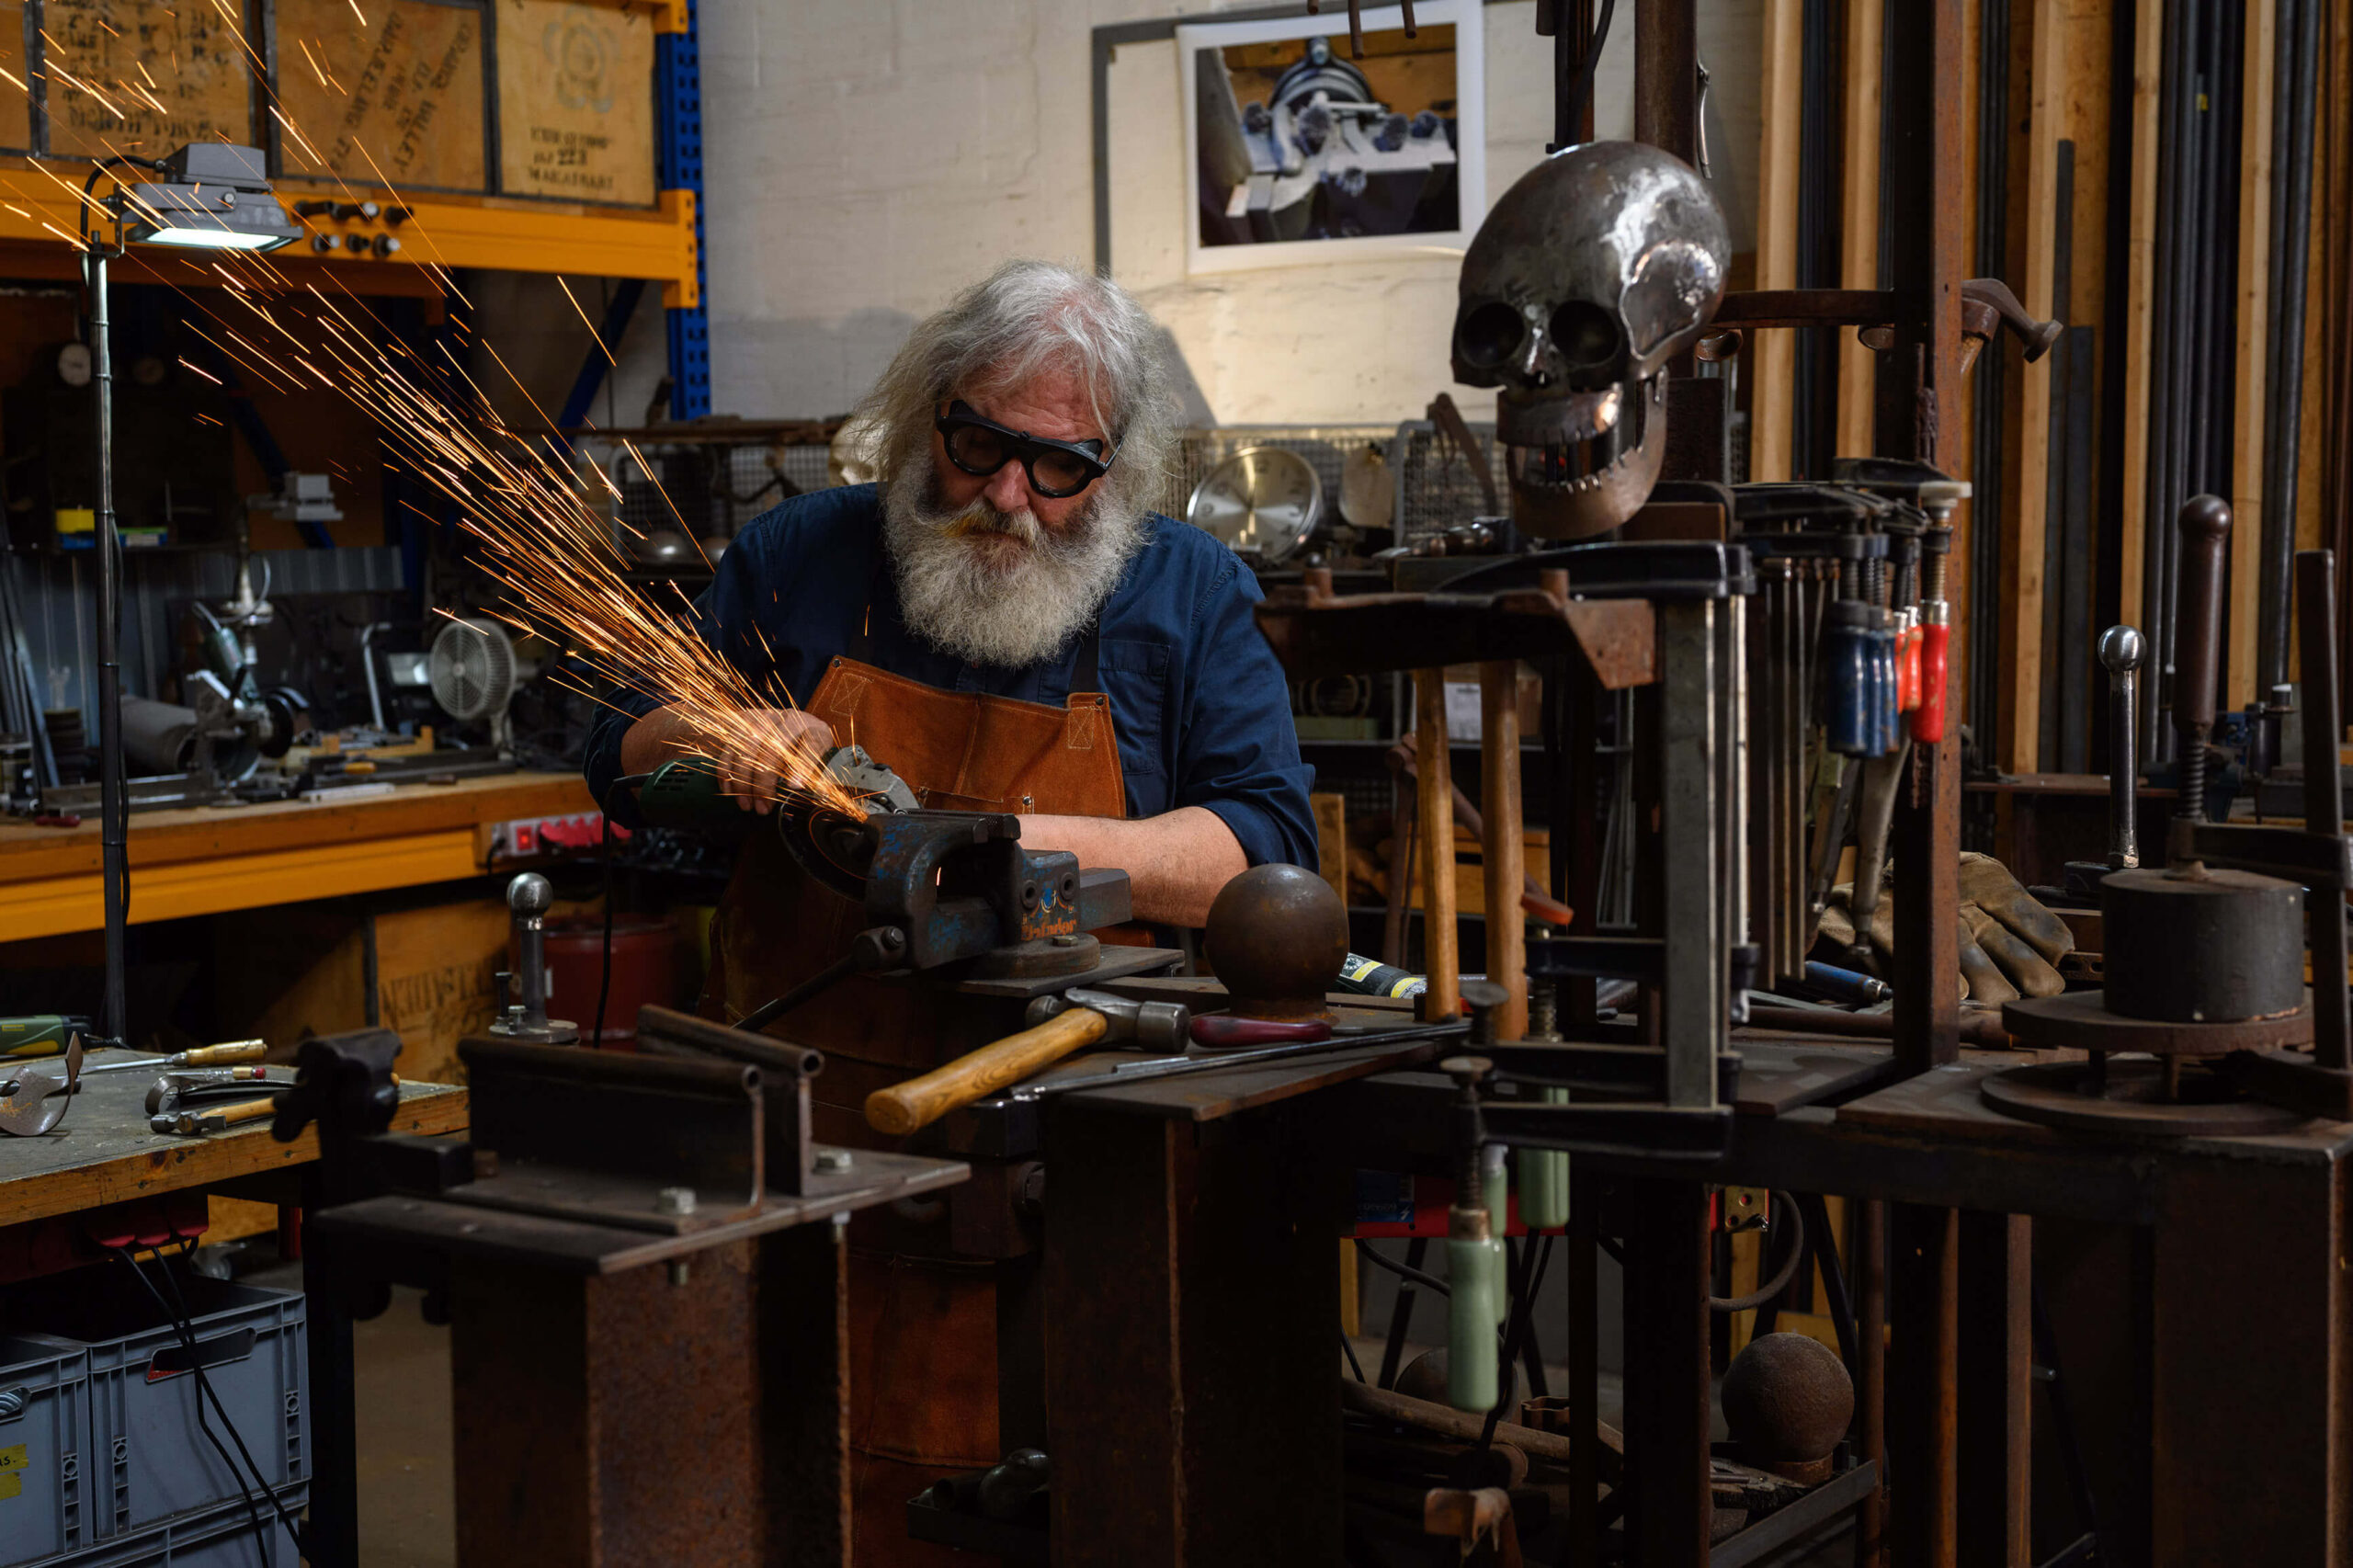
(1060, 1026)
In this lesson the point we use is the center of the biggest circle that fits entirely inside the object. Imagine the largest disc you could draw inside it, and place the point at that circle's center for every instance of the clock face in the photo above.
(74, 366)
(1262, 499)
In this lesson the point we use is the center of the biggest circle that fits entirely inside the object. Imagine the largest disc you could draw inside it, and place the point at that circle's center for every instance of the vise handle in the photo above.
(903, 1108)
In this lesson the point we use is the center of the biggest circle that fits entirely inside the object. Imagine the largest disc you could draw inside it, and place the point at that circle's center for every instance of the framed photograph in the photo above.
(1302, 153)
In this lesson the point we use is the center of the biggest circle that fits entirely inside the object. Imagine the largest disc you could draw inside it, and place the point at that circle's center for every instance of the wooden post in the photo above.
(2027, 475)
(1506, 850)
(1435, 798)
(1859, 226)
(1770, 357)
(2140, 302)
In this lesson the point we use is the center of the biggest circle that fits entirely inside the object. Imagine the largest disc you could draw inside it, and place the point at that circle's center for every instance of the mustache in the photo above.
(981, 518)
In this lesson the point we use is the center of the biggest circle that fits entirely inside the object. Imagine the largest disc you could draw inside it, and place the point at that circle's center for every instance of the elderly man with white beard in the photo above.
(1009, 554)
(1005, 623)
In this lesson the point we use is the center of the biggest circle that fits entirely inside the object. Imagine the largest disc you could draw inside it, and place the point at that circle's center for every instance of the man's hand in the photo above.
(759, 751)
(2009, 943)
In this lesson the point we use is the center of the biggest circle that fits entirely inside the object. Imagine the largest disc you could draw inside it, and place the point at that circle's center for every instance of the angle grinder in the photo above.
(687, 795)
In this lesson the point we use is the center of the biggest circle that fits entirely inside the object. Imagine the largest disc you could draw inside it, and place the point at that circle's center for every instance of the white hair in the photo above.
(1026, 318)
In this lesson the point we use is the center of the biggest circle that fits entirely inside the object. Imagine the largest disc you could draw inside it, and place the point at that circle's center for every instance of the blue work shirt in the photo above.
(1201, 708)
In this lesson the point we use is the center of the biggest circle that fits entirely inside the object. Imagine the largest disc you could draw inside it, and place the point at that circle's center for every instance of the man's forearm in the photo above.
(653, 741)
(1176, 863)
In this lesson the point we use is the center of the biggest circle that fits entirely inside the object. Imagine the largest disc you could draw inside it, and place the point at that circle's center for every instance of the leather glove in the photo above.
(2010, 945)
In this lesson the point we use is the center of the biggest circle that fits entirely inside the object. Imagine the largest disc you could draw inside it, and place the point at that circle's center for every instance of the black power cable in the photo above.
(1781, 1277)
(183, 1326)
(605, 858)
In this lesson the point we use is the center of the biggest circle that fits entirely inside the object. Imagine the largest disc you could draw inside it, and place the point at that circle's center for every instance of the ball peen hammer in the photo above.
(1060, 1026)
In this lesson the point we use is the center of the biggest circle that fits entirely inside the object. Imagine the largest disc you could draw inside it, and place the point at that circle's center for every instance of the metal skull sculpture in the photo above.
(1601, 264)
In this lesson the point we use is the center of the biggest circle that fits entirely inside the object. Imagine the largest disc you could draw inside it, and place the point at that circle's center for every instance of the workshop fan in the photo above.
(473, 672)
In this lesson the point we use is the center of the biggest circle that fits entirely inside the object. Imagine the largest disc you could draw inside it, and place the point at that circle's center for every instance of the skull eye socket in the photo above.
(1489, 334)
(1585, 333)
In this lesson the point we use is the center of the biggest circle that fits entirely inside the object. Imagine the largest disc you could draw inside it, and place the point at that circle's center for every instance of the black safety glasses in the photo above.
(980, 447)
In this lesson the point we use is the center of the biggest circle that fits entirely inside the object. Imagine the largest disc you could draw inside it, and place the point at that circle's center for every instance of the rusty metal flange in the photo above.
(2079, 1020)
(2131, 1101)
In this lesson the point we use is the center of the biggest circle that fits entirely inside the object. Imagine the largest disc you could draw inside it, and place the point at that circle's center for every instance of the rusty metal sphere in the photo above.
(1787, 1399)
(1278, 936)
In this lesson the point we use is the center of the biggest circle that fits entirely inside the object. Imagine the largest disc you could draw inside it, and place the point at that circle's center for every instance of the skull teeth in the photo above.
(1564, 466)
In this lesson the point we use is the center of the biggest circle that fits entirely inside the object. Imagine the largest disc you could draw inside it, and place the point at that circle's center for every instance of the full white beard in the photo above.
(990, 611)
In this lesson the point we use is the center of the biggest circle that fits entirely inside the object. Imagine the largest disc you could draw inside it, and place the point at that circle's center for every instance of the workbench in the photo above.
(211, 859)
(103, 1155)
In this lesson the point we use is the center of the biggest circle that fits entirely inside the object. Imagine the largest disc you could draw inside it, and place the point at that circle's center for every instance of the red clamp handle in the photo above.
(1929, 719)
(1223, 1031)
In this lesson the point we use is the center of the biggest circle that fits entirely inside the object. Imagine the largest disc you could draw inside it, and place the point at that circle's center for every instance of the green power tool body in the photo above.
(42, 1034)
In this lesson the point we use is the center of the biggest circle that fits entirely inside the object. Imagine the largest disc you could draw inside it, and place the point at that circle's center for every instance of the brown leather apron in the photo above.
(923, 1327)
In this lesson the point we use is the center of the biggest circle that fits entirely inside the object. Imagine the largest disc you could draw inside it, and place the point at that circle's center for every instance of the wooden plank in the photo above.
(2254, 312)
(1331, 810)
(397, 100)
(437, 981)
(1772, 356)
(2140, 273)
(2026, 475)
(16, 99)
(143, 77)
(1859, 218)
(575, 103)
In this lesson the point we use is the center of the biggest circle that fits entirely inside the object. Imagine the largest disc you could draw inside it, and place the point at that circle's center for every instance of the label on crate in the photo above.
(12, 1471)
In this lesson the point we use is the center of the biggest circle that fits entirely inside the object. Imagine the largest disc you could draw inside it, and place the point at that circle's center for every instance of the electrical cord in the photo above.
(1412, 1276)
(605, 856)
(185, 1327)
(1350, 1352)
(204, 1385)
(1581, 83)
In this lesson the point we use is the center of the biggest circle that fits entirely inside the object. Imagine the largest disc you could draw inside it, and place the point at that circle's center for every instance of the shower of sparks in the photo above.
(547, 536)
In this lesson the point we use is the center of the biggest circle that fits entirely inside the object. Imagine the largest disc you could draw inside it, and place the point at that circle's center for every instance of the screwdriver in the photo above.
(226, 1055)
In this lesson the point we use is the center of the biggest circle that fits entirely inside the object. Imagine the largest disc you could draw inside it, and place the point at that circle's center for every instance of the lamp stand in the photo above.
(113, 816)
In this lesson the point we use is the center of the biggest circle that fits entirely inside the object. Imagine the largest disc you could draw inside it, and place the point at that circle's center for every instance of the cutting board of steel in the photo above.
(1266, 499)
(2080, 1020)
(2131, 1102)
(2202, 948)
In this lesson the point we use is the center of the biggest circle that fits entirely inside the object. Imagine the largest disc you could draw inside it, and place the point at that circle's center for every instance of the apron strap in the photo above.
(1083, 673)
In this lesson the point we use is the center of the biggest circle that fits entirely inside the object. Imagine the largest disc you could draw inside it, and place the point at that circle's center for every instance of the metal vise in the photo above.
(945, 886)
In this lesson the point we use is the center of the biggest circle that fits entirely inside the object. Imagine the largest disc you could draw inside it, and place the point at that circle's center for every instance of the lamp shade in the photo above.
(217, 198)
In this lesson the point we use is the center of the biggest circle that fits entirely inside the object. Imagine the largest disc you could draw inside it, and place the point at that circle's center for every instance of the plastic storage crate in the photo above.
(44, 1432)
(146, 1459)
(220, 1536)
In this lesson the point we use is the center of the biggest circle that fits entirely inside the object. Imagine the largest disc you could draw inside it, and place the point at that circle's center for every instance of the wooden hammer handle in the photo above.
(901, 1108)
(210, 1117)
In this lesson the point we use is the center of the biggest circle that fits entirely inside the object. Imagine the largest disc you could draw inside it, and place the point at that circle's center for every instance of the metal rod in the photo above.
(2293, 136)
(2324, 800)
(113, 816)
(2121, 652)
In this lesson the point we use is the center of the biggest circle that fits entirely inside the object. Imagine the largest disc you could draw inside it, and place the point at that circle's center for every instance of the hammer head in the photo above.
(1149, 1026)
(175, 1092)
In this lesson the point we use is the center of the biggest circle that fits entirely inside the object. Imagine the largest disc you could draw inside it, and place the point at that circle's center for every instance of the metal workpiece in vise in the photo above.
(523, 994)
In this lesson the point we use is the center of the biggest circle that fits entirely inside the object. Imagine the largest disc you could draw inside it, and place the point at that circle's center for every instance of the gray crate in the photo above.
(218, 1537)
(44, 1431)
(146, 1458)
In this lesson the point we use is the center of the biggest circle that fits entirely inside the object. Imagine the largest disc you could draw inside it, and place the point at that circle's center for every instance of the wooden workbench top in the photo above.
(207, 831)
(210, 860)
(104, 1152)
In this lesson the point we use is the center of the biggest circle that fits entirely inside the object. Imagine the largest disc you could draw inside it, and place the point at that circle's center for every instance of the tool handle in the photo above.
(901, 1108)
(1223, 1031)
(214, 1118)
(1929, 718)
(2205, 525)
(223, 1055)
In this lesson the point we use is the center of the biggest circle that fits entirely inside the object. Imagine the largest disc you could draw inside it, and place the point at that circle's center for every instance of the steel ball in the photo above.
(1787, 1399)
(1278, 936)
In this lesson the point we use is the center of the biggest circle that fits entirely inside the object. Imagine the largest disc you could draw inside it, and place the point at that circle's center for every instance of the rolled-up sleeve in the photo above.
(1239, 756)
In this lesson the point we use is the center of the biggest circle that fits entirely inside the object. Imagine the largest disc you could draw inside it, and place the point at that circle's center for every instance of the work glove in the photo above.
(2010, 945)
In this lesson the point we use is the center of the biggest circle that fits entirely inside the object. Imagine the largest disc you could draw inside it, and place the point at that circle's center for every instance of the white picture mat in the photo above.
(1471, 133)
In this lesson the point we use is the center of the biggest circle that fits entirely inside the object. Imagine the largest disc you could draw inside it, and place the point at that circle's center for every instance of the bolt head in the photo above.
(675, 1200)
(833, 1161)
